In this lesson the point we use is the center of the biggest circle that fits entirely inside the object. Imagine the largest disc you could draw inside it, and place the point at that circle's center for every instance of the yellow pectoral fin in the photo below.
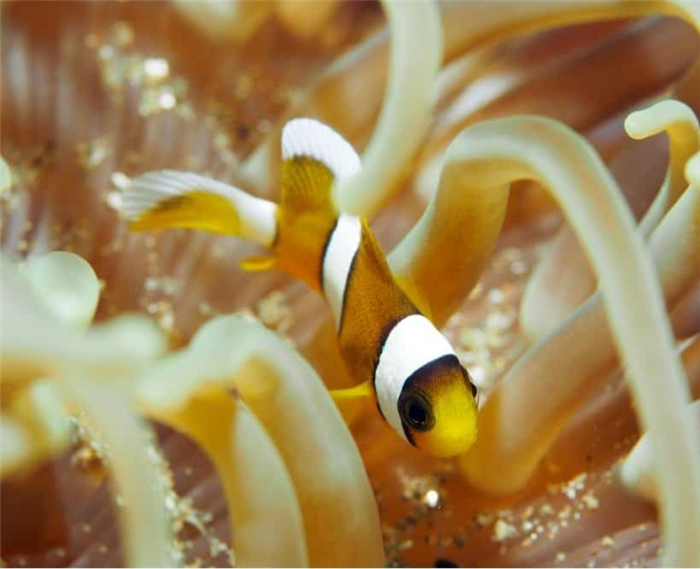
(353, 401)
(257, 264)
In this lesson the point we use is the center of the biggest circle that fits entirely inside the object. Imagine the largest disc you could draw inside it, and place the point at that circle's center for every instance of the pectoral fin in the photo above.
(258, 264)
(351, 402)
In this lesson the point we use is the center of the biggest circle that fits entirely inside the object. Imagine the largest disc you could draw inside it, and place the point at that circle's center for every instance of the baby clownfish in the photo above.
(393, 350)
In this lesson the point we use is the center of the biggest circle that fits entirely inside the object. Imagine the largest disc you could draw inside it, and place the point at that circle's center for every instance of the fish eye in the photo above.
(416, 412)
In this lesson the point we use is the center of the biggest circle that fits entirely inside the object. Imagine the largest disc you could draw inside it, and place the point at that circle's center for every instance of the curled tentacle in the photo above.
(586, 340)
(480, 165)
(267, 528)
(283, 391)
(90, 373)
(547, 301)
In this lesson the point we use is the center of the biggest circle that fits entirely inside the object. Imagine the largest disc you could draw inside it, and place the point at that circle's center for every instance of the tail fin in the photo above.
(169, 199)
(315, 157)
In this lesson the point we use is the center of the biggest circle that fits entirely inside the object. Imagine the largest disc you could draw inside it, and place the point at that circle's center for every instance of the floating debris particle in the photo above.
(123, 34)
(432, 498)
(182, 512)
(92, 154)
(89, 453)
(6, 181)
(546, 510)
(156, 68)
(120, 180)
(205, 309)
(483, 518)
(496, 296)
(166, 285)
(122, 69)
(274, 312)
(572, 488)
(502, 530)
(498, 321)
(590, 501)
(406, 545)
(167, 100)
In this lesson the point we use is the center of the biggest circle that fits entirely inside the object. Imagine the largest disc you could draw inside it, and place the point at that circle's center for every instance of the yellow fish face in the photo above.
(437, 407)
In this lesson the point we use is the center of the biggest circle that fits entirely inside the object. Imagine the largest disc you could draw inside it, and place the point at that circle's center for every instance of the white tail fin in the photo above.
(169, 198)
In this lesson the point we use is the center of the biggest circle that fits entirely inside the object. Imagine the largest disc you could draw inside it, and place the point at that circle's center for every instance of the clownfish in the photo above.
(391, 349)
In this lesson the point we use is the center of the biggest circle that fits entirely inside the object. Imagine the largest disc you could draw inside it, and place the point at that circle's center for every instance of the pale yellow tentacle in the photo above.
(66, 284)
(143, 521)
(265, 520)
(466, 26)
(511, 448)
(407, 107)
(301, 420)
(638, 471)
(484, 160)
(538, 313)
(90, 372)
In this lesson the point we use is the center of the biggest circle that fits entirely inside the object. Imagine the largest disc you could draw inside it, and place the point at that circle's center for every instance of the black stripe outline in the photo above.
(325, 250)
(351, 272)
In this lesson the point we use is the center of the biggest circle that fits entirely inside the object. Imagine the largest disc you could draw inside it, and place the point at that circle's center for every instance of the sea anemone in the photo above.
(462, 186)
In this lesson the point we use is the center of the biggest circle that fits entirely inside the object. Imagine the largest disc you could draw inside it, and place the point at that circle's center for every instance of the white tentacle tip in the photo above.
(692, 171)
(656, 118)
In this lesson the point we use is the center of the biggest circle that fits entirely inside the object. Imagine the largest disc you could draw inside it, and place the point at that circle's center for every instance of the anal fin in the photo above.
(257, 264)
(353, 401)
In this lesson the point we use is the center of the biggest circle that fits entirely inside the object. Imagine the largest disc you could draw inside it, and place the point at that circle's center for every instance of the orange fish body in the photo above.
(392, 350)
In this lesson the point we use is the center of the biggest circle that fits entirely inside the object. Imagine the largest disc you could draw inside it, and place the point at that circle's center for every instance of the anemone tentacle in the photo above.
(490, 156)
(279, 387)
(538, 313)
(87, 372)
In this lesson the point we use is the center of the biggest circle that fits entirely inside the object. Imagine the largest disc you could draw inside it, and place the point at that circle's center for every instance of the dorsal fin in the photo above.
(314, 158)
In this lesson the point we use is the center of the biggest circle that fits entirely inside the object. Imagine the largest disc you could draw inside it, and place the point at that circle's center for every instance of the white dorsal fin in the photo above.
(311, 138)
